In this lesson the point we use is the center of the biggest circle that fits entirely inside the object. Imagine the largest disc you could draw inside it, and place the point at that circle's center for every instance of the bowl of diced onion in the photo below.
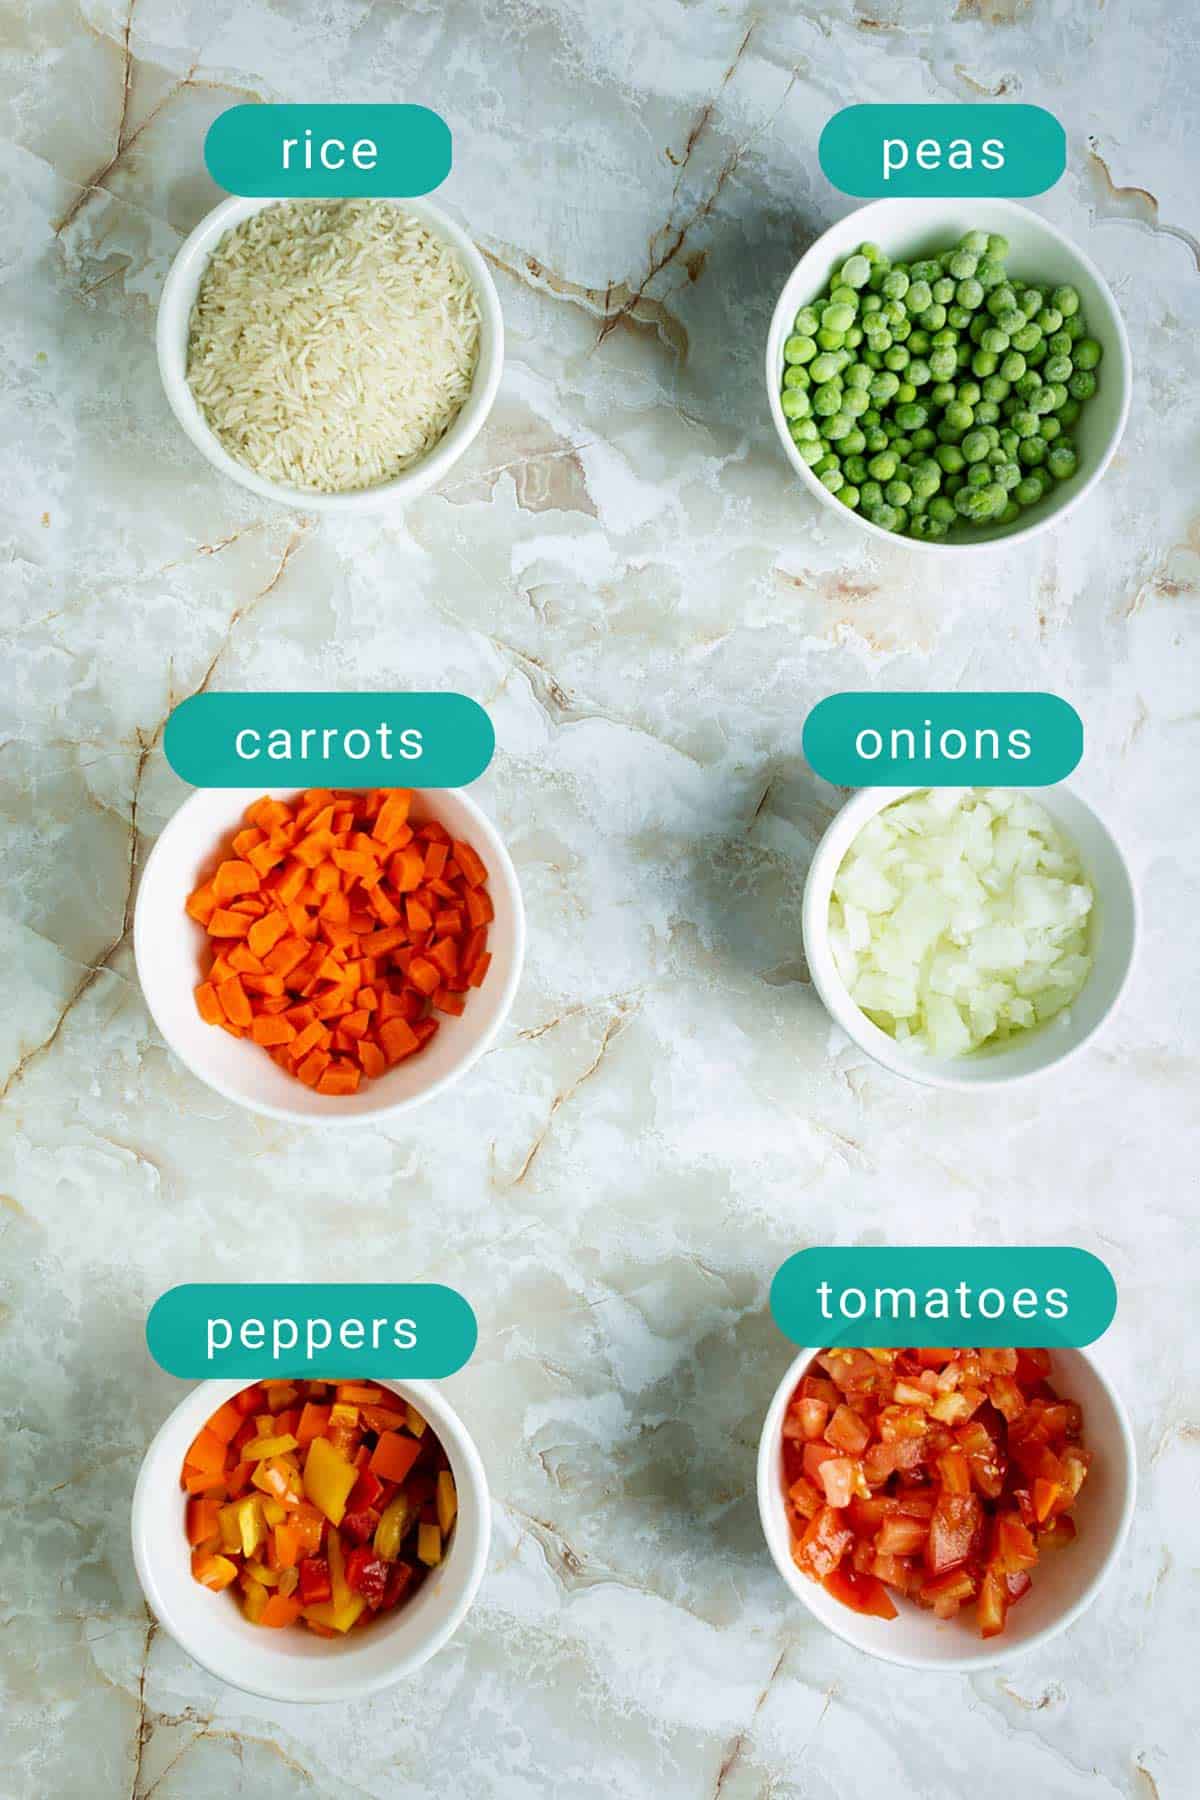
(969, 936)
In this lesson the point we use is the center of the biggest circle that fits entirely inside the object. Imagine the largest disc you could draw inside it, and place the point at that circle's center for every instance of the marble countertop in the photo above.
(628, 577)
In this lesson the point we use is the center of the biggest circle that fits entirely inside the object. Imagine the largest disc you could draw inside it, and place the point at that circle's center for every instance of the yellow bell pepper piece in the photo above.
(328, 1479)
(414, 1421)
(252, 1527)
(429, 1545)
(393, 1524)
(230, 1527)
(269, 1446)
(329, 1613)
(279, 1480)
(254, 1599)
(274, 1512)
(259, 1572)
(447, 1501)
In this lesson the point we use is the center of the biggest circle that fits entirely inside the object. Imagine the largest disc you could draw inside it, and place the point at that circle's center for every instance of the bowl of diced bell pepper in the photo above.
(945, 1509)
(311, 1540)
(329, 956)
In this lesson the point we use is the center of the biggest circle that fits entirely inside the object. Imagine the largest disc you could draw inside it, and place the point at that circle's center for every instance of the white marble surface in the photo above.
(627, 576)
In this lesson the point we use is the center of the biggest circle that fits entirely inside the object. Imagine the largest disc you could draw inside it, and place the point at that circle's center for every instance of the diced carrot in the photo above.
(244, 960)
(340, 1078)
(424, 975)
(472, 867)
(202, 903)
(266, 932)
(448, 1002)
(208, 1005)
(234, 1002)
(267, 1030)
(309, 1039)
(313, 1067)
(225, 923)
(445, 954)
(406, 869)
(233, 878)
(392, 815)
(397, 1039)
(480, 910)
(371, 1058)
(480, 970)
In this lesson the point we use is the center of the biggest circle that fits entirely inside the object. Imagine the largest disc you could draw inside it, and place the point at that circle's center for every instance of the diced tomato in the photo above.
(863, 1593)
(823, 1544)
(846, 1430)
(839, 1476)
(901, 1536)
(953, 1530)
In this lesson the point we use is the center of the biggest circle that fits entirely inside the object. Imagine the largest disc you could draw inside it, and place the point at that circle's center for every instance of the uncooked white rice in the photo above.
(332, 343)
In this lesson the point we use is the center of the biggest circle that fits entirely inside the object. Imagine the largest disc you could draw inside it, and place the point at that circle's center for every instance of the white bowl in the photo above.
(168, 948)
(1113, 940)
(1065, 1581)
(907, 229)
(297, 1664)
(174, 318)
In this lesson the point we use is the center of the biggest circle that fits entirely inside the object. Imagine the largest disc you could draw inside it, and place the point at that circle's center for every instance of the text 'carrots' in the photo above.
(339, 927)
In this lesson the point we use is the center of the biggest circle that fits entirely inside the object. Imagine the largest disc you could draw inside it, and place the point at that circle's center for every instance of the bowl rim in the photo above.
(199, 1402)
(938, 546)
(171, 347)
(948, 1665)
(862, 805)
(500, 861)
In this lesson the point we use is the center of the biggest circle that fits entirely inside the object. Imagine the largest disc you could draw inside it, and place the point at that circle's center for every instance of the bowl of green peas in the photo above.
(953, 373)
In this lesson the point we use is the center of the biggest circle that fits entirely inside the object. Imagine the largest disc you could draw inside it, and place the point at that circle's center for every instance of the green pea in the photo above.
(798, 349)
(997, 246)
(995, 340)
(830, 340)
(959, 415)
(832, 479)
(855, 401)
(969, 392)
(912, 416)
(933, 318)
(896, 358)
(926, 479)
(902, 445)
(957, 318)
(858, 375)
(1075, 327)
(1049, 320)
(1049, 428)
(1062, 461)
(898, 493)
(996, 389)
(1001, 300)
(986, 413)
(870, 494)
(984, 362)
(943, 290)
(1088, 352)
(969, 293)
(975, 446)
(989, 274)
(906, 391)
(884, 386)
(1032, 450)
(856, 468)
(920, 296)
(1012, 366)
(827, 399)
(838, 425)
(837, 318)
(1057, 368)
(826, 461)
(877, 439)
(1008, 474)
(848, 495)
(806, 321)
(883, 466)
(927, 269)
(856, 271)
(1029, 383)
(1029, 490)
(942, 363)
(795, 377)
(1068, 412)
(885, 516)
(811, 451)
(1027, 339)
(951, 458)
(1066, 300)
(895, 284)
(1042, 400)
(803, 430)
(872, 254)
(942, 392)
(854, 442)
(824, 367)
(918, 372)
(795, 403)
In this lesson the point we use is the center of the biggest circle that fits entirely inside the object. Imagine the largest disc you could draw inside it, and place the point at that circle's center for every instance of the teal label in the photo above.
(329, 740)
(943, 151)
(419, 1330)
(944, 1298)
(943, 740)
(328, 152)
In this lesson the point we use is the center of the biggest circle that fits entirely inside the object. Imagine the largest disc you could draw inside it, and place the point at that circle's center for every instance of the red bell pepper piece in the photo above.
(367, 1574)
(315, 1582)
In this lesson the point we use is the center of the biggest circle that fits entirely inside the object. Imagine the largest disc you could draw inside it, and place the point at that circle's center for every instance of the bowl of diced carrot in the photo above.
(329, 955)
(311, 1540)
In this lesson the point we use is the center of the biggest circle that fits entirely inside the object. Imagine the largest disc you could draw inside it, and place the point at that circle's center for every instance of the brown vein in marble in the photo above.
(734, 1754)
(644, 312)
(706, 111)
(668, 242)
(616, 1025)
(142, 1734)
(532, 1032)
(1132, 205)
(146, 744)
(125, 139)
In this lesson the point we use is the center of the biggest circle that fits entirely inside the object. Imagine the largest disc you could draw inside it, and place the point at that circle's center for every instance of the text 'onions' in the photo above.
(960, 917)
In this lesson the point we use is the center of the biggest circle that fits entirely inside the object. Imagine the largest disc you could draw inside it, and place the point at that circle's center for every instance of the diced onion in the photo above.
(960, 917)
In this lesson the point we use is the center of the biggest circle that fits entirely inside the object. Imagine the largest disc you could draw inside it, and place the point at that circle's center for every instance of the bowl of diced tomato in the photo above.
(329, 955)
(311, 1540)
(948, 1509)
